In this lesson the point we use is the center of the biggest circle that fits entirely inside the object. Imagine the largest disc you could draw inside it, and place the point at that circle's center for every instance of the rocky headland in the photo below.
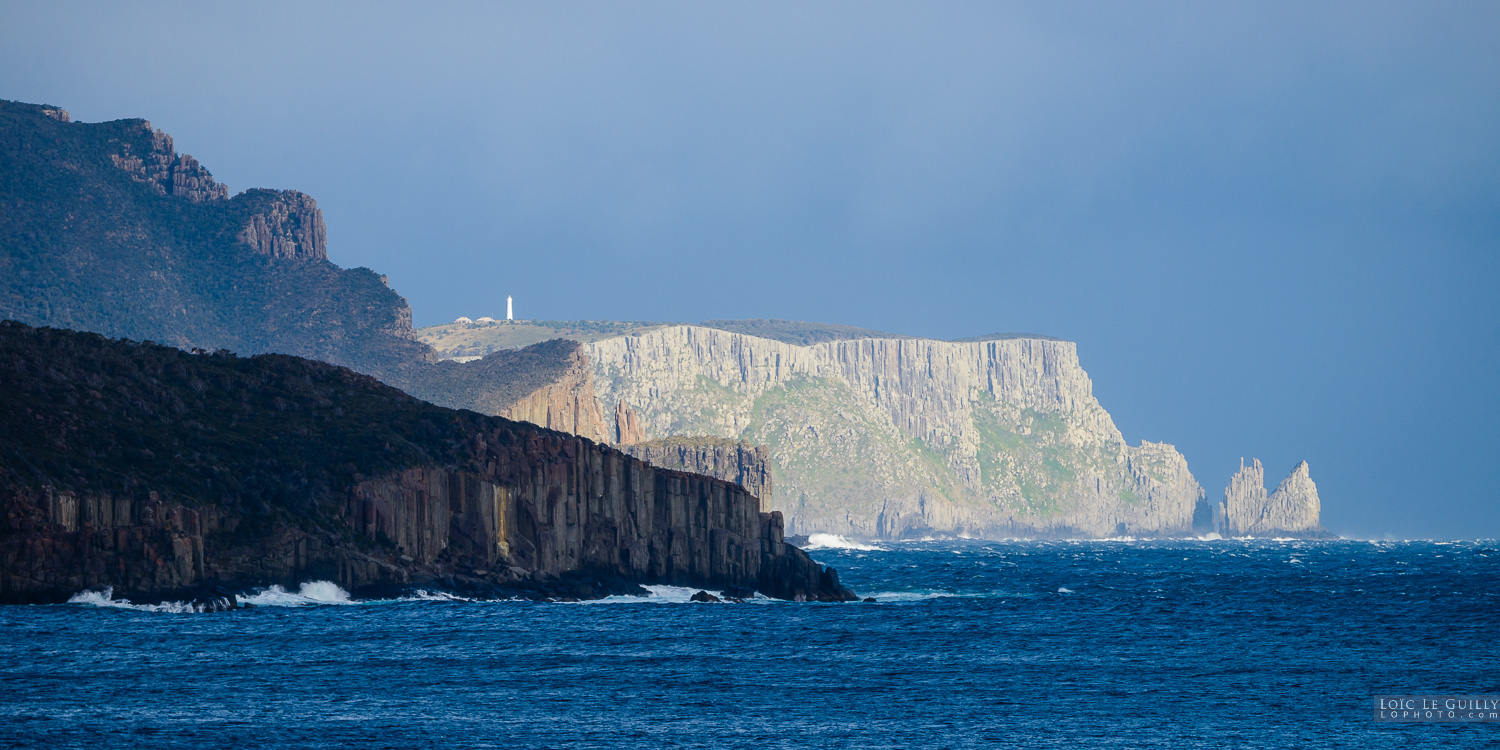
(161, 473)
(869, 434)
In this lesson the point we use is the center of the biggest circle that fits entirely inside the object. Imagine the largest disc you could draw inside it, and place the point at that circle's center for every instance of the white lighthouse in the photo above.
(509, 311)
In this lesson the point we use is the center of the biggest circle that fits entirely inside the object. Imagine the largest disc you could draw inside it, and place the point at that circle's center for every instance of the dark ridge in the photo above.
(156, 469)
(270, 433)
(491, 384)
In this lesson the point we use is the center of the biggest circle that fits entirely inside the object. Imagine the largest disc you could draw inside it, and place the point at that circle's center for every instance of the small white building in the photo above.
(486, 320)
(463, 320)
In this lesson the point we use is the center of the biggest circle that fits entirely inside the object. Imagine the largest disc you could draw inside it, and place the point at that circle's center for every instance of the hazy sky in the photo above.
(1272, 228)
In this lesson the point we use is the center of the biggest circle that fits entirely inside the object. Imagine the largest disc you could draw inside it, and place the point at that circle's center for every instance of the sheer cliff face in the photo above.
(901, 437)
(746, 465)
(153, 470)
(1292, 510)
(567, 404)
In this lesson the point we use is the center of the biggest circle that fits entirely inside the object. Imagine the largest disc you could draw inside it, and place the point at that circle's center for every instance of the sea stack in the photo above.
(1290, 511)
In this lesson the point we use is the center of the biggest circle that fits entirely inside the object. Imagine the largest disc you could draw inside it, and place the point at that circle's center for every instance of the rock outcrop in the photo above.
(746, 465)
(895, 437)
(148, 156)
(158, 472)
(1290, 511)
(291, 226)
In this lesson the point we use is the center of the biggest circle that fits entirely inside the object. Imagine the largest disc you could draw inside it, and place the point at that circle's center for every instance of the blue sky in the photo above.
(1272, 228)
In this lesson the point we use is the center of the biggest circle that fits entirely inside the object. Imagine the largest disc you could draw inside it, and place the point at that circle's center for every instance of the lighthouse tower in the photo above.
(508, 309)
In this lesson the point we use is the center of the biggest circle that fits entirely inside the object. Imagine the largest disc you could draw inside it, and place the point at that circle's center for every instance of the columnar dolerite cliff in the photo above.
(154, 471)
(1291, 511)
(747, 465)
(896, 437)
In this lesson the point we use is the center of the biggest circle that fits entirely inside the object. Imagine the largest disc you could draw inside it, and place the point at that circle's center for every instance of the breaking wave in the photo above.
(834, 541)
(312, 592)
(106, 598)
(663, 595)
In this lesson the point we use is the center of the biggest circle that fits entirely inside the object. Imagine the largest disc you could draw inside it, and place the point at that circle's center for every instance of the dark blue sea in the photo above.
(1211, 644)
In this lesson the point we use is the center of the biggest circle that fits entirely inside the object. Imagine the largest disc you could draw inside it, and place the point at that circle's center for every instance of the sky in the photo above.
(1273, 228)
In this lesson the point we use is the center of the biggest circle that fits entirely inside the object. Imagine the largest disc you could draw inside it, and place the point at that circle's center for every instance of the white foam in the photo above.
(1212, 536)
(911, 596)
(106, 598)
(664, 595)
(312, 592)
(1064, 590)
(834, 541)
(423, 595)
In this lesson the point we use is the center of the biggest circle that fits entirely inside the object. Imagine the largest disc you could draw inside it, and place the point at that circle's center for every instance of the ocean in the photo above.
(1109, 644)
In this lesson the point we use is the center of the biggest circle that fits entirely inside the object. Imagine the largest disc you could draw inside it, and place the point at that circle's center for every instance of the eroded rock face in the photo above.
(567, 404)
(150, 157)
(291, 226)
(905, 437)
(539, 507)
(1290, 511)
(747, 465)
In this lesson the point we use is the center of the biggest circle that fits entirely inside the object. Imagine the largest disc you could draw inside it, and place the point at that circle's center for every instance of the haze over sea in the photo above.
(1226, 643)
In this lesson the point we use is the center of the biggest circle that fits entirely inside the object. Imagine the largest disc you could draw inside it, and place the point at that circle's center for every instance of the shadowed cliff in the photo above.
(156, 471)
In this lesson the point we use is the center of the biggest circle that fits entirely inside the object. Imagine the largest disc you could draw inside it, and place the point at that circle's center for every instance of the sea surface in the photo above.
(1198, 644)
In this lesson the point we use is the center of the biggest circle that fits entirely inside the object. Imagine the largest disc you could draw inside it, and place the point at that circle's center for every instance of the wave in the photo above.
(106, 598)
(834, 541)
(423, 595)
(312, 592)
(665, 595)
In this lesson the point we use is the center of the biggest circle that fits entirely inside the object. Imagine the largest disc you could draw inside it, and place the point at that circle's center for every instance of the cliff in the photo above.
(895, 437)
(747, 465)
(159, 472)
(567, 404)
(1291, 511)
(105, 227)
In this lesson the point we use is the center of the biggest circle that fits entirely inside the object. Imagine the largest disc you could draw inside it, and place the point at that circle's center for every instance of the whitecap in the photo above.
(106, 598)
(665, 595)
(423, 595)
(309, 593)
(834, 541)
(912, 596)
(1065, 590)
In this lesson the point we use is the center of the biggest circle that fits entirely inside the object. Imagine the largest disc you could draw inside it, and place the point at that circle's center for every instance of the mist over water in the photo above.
(1254, 644)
